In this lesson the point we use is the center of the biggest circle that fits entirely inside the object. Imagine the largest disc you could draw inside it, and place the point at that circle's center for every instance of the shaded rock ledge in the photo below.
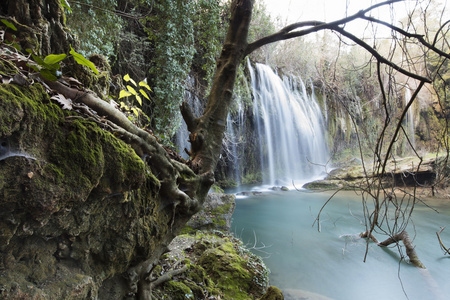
(405, 173)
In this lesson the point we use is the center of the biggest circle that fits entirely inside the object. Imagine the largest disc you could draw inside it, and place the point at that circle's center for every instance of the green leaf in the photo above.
(131, 90)
(66, 5)
(144, 94)
(35, 68)
(47, 74)
(80, 59)
(144, 84)
(124, 93)
(54, 58)
(38, 60)
(8, 24)
(128, 78)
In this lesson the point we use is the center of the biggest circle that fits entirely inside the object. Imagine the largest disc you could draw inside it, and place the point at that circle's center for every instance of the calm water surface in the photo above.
(308, 264)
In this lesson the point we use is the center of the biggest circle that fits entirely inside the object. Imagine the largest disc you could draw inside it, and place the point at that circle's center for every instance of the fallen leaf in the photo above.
(65, 102)
(30, 174)
(6, 79)
(72, 81)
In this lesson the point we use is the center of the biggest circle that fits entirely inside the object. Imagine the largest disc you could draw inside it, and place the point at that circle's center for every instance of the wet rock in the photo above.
(215, 214)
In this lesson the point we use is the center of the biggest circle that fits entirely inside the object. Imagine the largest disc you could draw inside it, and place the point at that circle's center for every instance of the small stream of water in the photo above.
(307, 264)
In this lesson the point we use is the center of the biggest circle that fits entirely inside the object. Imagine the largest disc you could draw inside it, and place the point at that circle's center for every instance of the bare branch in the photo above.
(289, 33)
(446, 250)
(419, 37)
(286, 33)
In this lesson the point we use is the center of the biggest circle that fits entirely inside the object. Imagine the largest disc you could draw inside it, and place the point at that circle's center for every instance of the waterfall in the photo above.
(290, 127)
(410, 118)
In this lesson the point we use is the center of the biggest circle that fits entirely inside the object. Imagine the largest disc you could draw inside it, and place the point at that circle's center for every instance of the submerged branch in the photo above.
(402, 236)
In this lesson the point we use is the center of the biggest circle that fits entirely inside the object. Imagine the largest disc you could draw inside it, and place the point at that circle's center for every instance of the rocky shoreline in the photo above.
(212, 264)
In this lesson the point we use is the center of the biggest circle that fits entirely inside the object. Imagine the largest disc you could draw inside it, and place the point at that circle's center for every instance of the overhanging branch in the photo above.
(290, 32)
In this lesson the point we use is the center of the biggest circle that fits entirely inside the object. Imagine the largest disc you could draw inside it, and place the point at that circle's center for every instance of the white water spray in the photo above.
(291, 128)
(410, 118)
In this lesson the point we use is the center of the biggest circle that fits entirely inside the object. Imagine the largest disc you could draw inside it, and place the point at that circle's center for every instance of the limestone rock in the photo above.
(216, 213)
(78, 207)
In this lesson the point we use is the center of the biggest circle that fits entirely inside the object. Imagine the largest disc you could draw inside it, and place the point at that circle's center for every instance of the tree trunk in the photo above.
(40, 24)
(206, 132)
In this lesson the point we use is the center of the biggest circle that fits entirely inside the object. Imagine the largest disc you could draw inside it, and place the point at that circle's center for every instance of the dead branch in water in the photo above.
(402, 236)
(446, 250)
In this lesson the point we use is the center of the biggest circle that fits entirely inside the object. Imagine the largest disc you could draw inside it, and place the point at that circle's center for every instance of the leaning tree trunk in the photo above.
(206, 132)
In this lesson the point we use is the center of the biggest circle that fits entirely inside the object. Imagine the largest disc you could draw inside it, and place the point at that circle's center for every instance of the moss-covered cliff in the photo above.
(77, 205)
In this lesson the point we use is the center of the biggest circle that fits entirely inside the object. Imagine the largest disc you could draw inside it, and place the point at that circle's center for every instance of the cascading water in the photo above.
(410, 118)
(233, 137)
(290, 126)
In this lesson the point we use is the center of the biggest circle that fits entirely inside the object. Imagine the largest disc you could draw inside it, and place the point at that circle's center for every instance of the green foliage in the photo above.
(172, 32)
(66, 5)
(80, 59)
(96, 25)
(49, 66)
(9, 24)
(210, 30)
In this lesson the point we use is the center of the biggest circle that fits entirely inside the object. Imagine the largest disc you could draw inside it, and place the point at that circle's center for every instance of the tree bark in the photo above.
(206, 132)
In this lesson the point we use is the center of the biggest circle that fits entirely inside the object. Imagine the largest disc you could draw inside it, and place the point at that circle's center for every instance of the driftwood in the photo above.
(402, 236)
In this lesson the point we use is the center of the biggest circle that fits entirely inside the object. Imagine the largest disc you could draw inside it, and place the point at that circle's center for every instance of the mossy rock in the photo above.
(77, 205)
(178, 290)
(218, 266)
(273, 293)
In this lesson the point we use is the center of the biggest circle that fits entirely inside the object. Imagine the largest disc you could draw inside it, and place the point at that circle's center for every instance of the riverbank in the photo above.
(424, 178)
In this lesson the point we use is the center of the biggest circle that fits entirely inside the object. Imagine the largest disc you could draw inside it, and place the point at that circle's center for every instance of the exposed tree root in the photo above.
(402, 236)
(178, 190)
(180, 187)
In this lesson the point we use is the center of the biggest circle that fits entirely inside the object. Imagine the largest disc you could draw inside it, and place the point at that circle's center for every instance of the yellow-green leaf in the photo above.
(124, 93)
(128, 78)
(54, 58)
(65, 4)
(144, 84)
(139, 100)
(144, 94)
(135, 111)
(131, 90)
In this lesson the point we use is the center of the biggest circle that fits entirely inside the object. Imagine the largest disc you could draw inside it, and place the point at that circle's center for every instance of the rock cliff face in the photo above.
(77, 205)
